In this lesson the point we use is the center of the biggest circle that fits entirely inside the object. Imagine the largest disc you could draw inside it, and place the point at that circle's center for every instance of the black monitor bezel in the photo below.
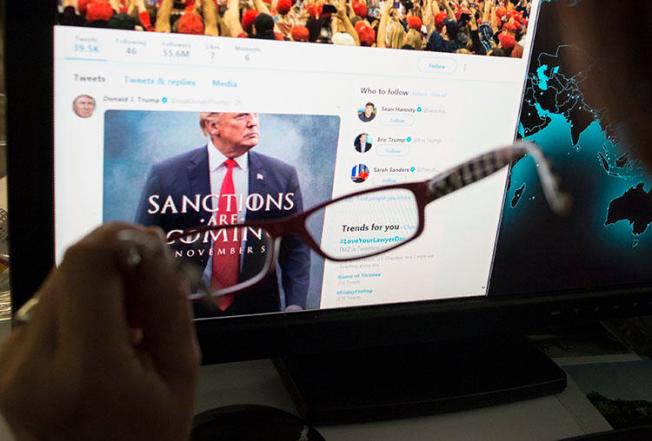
(30, 122)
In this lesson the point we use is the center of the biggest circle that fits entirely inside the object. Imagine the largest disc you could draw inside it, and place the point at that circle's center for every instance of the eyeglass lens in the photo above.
(365, 224)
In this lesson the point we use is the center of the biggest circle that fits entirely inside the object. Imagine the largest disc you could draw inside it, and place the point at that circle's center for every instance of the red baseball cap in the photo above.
(360, 9)
(81, 6)
(500, 11)
(360, 24)
(314, 10)
(367, 35)
(439, 19)
(516, 15)
(507, 40)
(284, 6)
(99, 10)
(190, 23)
(462, 10)
(248, 18)
(511, 27)
(300, 33)
(414, 22)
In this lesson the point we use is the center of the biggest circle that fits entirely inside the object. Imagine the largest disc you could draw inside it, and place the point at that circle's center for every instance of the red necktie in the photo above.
(226, 251)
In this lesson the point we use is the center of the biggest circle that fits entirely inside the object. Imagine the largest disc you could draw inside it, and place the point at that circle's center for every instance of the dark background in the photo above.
(538, 251)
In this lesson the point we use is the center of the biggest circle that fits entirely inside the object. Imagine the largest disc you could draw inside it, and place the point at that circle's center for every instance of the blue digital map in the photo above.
(556, 116)
(605, 240)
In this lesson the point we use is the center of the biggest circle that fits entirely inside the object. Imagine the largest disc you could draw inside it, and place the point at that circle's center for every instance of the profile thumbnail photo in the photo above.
(363, 143)
(359, 173)
(183, 170)
(367, 112)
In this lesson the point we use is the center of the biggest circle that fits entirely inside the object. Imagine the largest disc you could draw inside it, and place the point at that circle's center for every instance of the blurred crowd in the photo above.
(485, 27)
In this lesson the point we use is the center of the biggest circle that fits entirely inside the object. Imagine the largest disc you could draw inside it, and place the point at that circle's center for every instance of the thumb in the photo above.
(90, 296)
(157, 300)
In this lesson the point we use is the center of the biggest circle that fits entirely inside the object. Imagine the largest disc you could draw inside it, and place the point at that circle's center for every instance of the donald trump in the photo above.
(226, 175)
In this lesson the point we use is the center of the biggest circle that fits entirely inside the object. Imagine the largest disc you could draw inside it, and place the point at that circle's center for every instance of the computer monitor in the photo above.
(112, 124)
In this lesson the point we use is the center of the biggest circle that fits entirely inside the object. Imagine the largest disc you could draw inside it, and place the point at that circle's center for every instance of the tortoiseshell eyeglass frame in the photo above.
(424, 192)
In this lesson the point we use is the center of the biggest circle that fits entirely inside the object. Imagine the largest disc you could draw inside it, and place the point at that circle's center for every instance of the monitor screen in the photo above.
(313, 104)
(294, 105)
(101, 112)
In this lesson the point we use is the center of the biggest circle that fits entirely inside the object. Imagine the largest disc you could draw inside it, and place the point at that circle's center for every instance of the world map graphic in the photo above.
(552, 91)
(606, 238)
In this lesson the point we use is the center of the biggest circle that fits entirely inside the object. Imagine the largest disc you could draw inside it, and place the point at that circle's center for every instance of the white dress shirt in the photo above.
(217, 171)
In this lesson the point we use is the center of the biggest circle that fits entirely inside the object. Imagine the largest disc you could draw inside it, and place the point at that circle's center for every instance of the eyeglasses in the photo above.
(351, 227)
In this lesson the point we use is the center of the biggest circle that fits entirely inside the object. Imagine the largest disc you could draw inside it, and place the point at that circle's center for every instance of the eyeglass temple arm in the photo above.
(489, 163)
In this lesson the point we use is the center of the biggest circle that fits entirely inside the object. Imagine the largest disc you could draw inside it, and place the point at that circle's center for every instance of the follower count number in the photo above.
(176, 53)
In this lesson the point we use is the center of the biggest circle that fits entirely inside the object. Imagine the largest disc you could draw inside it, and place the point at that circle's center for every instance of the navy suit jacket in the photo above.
(187, 174)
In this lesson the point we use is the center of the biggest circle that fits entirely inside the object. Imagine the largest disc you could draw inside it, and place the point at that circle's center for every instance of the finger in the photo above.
(157, 232)
(31, 344)
(40, 334)
(90, 295)
(158, 300)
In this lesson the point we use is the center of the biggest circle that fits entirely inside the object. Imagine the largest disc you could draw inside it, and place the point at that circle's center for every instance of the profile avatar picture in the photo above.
(363, 143)
(359, 173)
(83, 106)
(367, 113)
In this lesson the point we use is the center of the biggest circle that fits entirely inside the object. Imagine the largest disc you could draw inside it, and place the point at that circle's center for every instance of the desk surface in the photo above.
(543, 419)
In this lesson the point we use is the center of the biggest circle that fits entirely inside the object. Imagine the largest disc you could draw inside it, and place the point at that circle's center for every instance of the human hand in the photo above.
(340, 5)
(115, 4)
(473, 22)
(110, 351)
(131, 6)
